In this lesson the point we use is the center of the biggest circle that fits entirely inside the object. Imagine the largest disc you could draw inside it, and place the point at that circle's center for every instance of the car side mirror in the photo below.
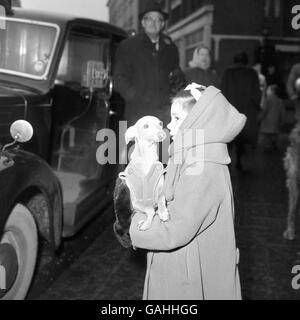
(21, 131)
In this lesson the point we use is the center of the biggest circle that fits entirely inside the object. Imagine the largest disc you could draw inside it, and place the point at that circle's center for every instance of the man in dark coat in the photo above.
(143, 66)
(240, 85)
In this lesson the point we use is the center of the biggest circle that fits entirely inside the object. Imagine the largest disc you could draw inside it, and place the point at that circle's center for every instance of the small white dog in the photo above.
(144, 173)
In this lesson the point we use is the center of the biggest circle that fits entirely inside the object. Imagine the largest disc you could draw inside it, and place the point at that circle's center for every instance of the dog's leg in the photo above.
(162, 210)
(293, 191)
(150, 212)
(161, 201)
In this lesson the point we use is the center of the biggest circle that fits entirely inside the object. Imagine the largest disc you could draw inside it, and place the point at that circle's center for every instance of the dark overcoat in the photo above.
(240, 86)
(141, 76)
(206, 78)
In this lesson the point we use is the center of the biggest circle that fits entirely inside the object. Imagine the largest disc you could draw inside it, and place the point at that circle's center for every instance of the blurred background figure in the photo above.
(240, 86)
(271, 118)
(273, 77)
(262, 82)
(293, 88)
(200, 70)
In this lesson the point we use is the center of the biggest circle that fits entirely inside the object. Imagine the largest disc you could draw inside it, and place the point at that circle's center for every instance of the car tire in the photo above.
(21, 232)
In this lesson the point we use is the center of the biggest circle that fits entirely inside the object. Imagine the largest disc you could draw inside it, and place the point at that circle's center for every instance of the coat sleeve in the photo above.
(224, 84)
(194, 208)
(290, 85)
(122, 75)
(256, 92)
(264, 111)
(216, 80)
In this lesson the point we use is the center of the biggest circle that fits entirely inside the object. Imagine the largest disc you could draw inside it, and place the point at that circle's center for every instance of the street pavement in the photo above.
(107, 271)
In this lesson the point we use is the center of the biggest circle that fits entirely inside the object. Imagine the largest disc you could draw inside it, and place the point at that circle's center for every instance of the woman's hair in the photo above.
(194, 62)
(185, 98)
(202, 46)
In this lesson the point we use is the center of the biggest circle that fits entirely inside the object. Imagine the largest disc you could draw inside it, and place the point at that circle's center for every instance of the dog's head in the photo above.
(147, 128)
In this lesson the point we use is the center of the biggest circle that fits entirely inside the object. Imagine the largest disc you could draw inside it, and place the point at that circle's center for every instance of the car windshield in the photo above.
(27, 47)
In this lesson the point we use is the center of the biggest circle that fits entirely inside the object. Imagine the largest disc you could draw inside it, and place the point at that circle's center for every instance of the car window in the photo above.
(83, 53)
(27, 47)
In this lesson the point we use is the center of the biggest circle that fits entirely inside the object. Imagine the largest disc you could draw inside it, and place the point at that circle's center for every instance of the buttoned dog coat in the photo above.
(194, 254)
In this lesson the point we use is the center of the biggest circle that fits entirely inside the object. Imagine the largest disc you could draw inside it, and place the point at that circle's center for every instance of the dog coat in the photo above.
(143, 187)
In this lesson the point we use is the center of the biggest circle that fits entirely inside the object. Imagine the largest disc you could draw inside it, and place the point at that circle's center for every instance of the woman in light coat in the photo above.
(194, 254)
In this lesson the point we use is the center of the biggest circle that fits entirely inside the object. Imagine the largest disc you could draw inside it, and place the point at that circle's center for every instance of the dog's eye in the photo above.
(161, 124)
(146, 126)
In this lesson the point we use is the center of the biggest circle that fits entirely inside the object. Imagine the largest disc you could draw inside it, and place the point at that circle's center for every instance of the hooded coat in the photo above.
(194, 254)
(206, 77)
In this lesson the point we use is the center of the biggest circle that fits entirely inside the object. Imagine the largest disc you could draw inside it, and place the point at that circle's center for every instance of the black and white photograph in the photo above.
(149, 151)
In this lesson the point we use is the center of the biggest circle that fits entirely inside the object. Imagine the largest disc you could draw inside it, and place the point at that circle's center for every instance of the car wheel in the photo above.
(18, 253)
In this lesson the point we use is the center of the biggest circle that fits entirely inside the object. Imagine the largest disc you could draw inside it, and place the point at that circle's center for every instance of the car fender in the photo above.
(21, 171)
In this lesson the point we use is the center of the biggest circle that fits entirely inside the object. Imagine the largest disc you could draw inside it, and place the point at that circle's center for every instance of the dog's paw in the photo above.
(163, 215)
(289, 234)
(143, 225)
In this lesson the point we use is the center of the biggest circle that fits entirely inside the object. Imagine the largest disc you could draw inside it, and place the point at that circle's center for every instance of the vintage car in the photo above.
(55, 72)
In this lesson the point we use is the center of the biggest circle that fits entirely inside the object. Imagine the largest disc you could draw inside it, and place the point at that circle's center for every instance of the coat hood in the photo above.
(211, 124)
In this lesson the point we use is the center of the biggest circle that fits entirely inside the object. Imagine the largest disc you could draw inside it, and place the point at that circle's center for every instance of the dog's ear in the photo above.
(130, 134)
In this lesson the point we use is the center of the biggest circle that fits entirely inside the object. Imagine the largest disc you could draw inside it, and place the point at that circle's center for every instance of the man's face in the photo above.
(153, 22)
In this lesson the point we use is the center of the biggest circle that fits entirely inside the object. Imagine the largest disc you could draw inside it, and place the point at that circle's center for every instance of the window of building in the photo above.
(175, 11)
(272, 8)
(175, 4)
(196, 4)
(192, 40)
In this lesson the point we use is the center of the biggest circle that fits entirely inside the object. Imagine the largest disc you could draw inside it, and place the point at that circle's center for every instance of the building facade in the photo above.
(262, 28)
(124, 13)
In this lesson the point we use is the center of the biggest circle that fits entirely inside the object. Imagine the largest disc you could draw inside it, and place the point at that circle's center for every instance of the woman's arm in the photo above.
(195, 205)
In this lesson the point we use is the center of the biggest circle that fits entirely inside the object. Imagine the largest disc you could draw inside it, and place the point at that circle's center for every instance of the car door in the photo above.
(80, 110)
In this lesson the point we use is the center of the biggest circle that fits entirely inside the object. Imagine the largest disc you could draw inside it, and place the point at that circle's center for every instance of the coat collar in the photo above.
(163, 41)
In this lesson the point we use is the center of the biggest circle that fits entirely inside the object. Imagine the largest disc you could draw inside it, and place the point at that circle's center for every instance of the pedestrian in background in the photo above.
(262, 82)
(293, 76)
(200, 70)
(144, 63)
(240, 86)
(293, 88)
(271, 118)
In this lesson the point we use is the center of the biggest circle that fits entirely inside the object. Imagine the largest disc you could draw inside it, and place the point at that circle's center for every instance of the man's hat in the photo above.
(153, 5)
